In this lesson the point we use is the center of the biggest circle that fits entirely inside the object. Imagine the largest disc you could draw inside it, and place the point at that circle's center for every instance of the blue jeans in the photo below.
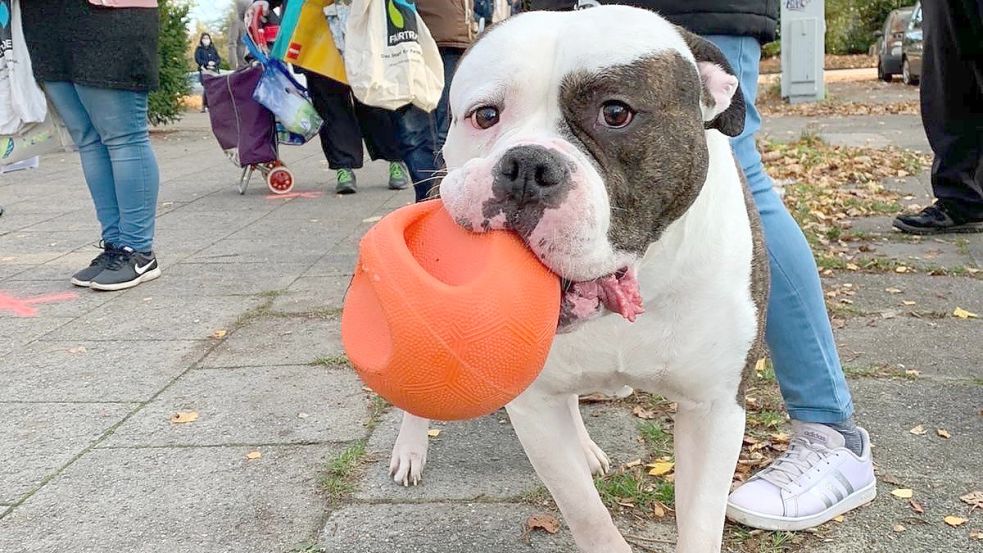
(110, 129)
(417, 131)
(798, 330)
(450, 57)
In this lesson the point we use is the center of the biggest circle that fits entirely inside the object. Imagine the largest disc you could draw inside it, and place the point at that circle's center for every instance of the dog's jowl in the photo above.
(601, 138)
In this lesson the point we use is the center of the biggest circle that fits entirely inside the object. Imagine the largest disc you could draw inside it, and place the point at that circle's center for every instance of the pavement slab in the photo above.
(943, 349)
(889, 409)
(274, 340)
(482, 459)
(93, 371)
(140, 315)
(438, 528)
(49, 298)
(174, 500)
(20, 331)
(887, 292)
(40, 438)
(313, 292)
(261, 405)
(193, 279)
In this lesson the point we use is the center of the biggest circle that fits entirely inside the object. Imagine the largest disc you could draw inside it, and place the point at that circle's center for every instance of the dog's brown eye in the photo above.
(615, 115)
(485, 117)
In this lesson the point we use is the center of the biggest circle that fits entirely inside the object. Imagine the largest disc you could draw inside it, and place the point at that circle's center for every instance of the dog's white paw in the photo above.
(597, 460)
(407, 462)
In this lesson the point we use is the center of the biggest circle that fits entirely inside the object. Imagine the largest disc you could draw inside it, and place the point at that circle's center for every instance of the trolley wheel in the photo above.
(280, 180)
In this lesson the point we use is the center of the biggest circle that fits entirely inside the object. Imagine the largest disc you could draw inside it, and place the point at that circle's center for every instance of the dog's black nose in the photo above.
(529, 173)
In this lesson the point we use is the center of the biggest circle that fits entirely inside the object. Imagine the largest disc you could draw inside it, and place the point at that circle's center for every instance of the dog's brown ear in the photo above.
(723, 99)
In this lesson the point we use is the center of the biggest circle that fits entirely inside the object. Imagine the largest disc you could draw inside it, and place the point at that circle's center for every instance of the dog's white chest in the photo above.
(700, 319)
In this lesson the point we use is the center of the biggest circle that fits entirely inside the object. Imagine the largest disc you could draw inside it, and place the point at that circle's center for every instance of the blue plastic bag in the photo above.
(280, 93)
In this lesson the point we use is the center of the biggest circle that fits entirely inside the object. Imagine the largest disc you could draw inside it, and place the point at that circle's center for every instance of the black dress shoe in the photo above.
(936, 219)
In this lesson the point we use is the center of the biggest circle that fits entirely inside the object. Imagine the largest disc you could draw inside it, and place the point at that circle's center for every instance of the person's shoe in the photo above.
(127, 269)
(346, 182)
(936, 219)
(814, 481)
(84, 277)
(398, 177)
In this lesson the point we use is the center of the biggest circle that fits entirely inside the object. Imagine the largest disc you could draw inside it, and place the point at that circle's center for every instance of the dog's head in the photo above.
(585, 133)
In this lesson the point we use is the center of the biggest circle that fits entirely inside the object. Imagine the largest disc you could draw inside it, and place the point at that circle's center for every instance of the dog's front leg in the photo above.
(708, 443)
(410, 451)
(549, 434)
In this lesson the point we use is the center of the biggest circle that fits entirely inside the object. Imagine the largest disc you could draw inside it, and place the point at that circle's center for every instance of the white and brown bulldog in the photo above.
(600, 137)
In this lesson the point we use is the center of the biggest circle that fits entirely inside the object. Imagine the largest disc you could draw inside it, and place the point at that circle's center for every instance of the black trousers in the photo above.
(952, 105)
(347, 122)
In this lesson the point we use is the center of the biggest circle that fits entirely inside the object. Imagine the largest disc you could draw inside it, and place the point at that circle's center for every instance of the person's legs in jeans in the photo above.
(418, 136)
(96, 164)
(120, 119)
(450, 57)
(799, 334)
(827, 444)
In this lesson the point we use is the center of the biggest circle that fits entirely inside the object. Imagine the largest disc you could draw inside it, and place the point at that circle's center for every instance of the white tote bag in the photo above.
(21, 100)
(390, 57)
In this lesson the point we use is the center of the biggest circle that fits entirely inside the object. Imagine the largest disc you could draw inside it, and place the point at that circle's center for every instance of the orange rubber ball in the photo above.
(445, 323)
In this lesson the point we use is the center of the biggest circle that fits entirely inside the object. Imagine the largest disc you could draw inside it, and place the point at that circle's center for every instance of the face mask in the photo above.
(206, 42)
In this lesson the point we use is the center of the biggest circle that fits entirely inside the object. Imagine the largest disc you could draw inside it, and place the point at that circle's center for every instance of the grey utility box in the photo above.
(803, 50)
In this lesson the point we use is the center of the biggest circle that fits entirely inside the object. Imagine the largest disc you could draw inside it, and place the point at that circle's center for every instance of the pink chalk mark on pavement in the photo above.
(25, 307)
(313, 195)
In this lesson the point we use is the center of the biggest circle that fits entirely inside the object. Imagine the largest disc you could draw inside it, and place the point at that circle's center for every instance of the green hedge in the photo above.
(165, 103)
(850, 24)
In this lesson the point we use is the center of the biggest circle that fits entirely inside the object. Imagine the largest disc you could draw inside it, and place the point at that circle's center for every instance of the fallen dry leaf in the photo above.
(903, 493)
(660, 468)
(839, 518)
(252, 455)
(80, 349)
(899, 528)
(954, 521)
(892, 290)
(643, 413)
(658, 510)
(184, 417)
(901, 269)
(912, 373)
(943, 433)
(219, 334)
(919, 430)
(633, 464)
(907, 302)
(547, 523)
(916, 506)
(963, 314)
(433, 432)
(973, 498)
(976, 535)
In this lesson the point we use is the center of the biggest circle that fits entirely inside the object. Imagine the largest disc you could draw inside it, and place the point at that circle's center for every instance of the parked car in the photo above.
(887, 47)
(911, 49)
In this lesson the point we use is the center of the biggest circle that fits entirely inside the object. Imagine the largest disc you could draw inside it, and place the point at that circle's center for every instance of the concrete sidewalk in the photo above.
(288, 451)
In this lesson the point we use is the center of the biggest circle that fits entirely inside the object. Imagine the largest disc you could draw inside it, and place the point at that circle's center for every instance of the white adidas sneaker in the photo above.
(817, 479)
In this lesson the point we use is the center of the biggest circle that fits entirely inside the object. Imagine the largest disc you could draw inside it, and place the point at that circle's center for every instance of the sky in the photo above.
(209, 10)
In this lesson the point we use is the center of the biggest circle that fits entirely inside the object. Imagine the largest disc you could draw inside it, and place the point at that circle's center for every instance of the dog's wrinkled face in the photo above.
(584, 132)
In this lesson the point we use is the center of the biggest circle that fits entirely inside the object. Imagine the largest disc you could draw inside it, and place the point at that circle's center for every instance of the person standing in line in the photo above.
(346, 123)
(952, 114)
(97, 65)
(828, 469)
(452, 24)
(208, 60)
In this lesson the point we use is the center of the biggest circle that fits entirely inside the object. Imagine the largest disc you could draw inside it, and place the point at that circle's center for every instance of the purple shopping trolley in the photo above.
(245, 129)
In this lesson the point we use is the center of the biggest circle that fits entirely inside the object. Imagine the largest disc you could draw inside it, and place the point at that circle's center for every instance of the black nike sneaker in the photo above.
(127, 269)
(937, 219)
(84, 277)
